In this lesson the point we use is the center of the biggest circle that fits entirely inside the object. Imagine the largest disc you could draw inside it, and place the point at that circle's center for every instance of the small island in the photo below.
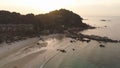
(15, 27)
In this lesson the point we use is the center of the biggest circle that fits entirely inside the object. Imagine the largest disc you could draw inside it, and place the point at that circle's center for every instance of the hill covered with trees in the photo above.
(14, 25)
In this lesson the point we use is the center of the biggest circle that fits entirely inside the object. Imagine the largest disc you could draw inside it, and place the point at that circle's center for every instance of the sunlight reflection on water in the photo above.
(90, 55)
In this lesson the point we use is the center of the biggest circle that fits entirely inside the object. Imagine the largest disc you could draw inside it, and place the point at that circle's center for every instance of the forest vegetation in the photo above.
(15, 26)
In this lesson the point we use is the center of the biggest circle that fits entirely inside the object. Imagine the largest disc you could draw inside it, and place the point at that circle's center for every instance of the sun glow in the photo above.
(85, 7)
(42, 5)
(46, 5)
(49, 5)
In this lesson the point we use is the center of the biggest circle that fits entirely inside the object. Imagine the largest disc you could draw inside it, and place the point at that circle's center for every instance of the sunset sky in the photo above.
(81, 7)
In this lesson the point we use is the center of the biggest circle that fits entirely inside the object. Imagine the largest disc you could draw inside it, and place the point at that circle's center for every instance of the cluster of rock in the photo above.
(88, 38)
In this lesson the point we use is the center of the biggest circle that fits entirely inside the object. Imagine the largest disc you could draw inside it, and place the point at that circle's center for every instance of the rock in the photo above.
(15, 67)
(103, 20)
(73, 49)
(105, 26)
(102, 45)
(72, 41)
(88, 41)
(38, 43)
(61, 50)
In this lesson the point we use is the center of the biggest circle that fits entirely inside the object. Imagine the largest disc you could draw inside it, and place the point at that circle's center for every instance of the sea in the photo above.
(91, 55)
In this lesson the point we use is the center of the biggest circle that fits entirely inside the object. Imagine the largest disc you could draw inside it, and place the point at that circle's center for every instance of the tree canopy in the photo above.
(54, 21)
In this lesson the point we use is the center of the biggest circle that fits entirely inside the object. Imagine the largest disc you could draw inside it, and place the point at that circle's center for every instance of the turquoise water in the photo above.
(90, 55)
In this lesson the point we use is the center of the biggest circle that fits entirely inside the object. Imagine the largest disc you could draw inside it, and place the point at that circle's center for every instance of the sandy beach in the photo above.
(10, 53)
(27, 54)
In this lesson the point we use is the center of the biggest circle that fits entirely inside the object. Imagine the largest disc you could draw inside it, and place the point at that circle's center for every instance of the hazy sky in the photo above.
(81, 7)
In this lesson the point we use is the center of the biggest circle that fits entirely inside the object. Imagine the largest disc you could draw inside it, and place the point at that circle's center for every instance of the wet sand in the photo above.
(20, 63)
(10, 54)
(29, 54)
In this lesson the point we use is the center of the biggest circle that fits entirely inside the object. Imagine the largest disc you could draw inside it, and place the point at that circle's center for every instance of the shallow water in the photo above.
(90, 55)
(85, 55)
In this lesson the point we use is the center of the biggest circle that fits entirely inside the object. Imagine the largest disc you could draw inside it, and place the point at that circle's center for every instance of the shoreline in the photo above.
(19, 58)
(30, 55)
(8, 51)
